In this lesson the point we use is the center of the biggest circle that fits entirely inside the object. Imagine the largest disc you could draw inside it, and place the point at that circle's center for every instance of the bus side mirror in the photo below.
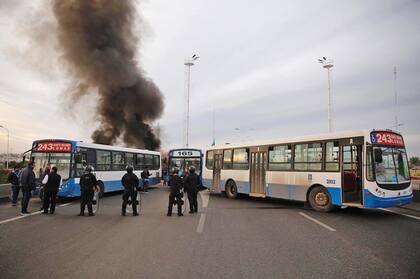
(377, 153)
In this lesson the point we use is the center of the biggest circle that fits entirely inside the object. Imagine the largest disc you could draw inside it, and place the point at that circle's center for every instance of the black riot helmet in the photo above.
(89, 169)
(192, 169)
(129, 169)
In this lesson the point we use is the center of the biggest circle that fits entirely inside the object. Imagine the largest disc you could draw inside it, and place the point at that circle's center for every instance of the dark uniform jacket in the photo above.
(192, 181)
(88, 182)
(130, 181)
(13, 178)
(27, 179)
(53, 182)
(145, 174)
(176, 184)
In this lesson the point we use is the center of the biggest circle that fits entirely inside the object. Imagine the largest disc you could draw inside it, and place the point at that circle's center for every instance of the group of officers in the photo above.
(51, 181)
(131, 183)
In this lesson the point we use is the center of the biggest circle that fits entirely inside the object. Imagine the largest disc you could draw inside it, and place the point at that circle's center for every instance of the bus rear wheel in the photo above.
(101, 189)
(231, 190)
(320, 199)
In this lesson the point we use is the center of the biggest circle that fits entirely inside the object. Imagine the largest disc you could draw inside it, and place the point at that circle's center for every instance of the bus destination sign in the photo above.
(53, 146)
(387, 138)
(185, 153)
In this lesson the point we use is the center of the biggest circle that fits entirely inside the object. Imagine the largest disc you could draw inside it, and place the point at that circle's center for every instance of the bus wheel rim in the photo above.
(321, 199)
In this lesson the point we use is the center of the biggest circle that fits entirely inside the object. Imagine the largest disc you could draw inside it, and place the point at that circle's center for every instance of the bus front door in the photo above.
(216, 172)
(352, 173)
(257, 174)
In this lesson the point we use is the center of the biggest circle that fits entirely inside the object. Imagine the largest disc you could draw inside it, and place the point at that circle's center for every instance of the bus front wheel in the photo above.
(320, 199)
(231, 190)
(101, 189)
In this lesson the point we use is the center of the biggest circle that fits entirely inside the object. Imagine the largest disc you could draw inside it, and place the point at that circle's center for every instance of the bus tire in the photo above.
(231, 190)
(101, 189)
(320, 199)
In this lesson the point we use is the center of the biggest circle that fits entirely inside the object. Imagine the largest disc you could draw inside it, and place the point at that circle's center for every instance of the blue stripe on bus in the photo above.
(335, 194)
(371, 201)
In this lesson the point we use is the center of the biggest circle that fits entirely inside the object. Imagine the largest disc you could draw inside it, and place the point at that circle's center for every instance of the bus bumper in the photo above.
(372, 201)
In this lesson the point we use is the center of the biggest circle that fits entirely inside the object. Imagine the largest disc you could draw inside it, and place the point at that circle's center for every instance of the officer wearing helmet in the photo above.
(88, 185)
(175, 197)
(192, 181)
(130, 181)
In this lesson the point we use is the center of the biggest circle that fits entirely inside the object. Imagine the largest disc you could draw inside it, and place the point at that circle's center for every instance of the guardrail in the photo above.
(4, 190)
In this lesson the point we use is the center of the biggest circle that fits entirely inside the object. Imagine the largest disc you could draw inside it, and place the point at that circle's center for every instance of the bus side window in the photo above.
(156, 162)
(227, 159)
(103, 160)
(129, 159)
(209, 160)
(139, 162)
(332, 156)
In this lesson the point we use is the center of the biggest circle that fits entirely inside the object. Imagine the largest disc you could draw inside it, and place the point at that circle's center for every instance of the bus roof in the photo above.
(325, 136)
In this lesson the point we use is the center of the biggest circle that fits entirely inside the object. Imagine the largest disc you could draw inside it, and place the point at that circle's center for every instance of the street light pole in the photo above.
(8, 141)
(188, 63)
(328, 64)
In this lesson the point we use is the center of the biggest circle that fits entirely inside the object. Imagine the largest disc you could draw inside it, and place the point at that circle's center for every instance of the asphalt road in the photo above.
(243, 238)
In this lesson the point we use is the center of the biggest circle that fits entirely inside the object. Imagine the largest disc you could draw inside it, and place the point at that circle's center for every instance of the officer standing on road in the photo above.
(13, 179)
(88, 185)
(51, 182)
(27, 182)
(176, 185)
(192, 181)
(131, 182)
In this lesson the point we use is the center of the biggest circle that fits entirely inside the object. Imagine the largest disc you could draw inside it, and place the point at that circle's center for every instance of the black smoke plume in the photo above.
(99, 45)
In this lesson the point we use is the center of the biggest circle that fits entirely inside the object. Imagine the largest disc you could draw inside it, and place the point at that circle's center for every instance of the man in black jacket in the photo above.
(192, 181)
(51, 182)
(145, 179)
(27, 182)
(130, 181)
(176, 185)
(13, 179)
(88, 185)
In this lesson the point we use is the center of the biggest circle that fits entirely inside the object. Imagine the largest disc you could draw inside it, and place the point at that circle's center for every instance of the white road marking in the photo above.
(406, 215)
(316, 221)
(19, 217)
(205, 195)
(200, 226)
(66, 204)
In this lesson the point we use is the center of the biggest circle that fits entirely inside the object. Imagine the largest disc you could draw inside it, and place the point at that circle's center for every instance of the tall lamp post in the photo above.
(188, 63)
(8, 140)
(328, 64)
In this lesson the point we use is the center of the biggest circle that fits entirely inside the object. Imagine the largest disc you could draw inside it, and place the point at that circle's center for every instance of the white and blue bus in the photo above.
(367, 169)
(109, 163)
(184, 158)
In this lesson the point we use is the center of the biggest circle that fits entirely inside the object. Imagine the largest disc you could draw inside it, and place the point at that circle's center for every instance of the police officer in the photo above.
(131, 182)
(88, 185)
(176, 185)
(52, 182)
(191, 182)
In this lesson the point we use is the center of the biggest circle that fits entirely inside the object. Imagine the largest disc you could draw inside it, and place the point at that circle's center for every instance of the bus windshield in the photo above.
(60, 160)
(393, 168)
(184, 164)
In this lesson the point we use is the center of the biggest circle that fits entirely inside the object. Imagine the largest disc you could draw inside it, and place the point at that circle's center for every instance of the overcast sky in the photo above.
(258, 69)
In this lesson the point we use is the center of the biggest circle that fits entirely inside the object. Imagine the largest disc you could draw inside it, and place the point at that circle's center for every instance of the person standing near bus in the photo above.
(176, 185)
(42, 185)
(88, 185)
(27, 182)
(51, 182)
(192, 181)
(145, 174)
(131, 182)
(13, 179)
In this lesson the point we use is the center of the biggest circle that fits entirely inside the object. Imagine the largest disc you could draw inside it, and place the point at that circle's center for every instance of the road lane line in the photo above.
(318, 222)
(406, 215)
(66, 204)
(19, 217)
(200, 226)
